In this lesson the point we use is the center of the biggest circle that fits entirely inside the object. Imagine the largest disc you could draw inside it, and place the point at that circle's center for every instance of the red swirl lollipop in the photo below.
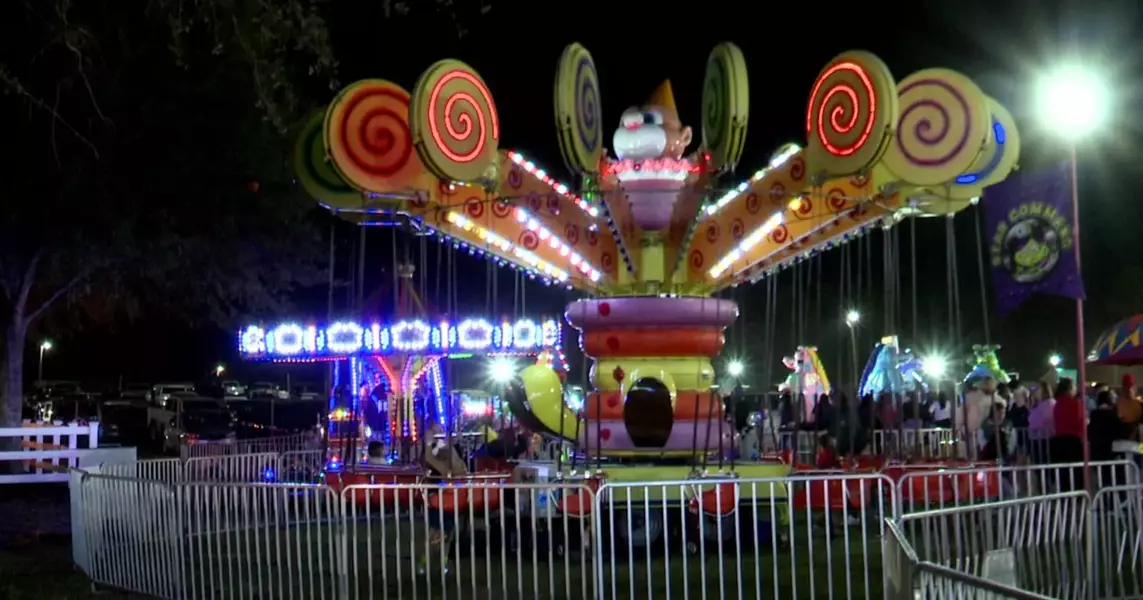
(455, 125)
(368, 138)
(852, 108)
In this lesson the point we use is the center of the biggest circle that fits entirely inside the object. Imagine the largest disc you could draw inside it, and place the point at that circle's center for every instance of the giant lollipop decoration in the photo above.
(996, 161)
(368, 138)
(725, 105)
(579, 119)
(315, 173)
(852, 110)
(943, 127)
(455, 125)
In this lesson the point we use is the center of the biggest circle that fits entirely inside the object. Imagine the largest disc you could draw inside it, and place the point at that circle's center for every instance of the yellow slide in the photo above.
(536, 397)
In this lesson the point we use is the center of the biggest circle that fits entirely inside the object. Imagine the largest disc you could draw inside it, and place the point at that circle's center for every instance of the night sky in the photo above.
(515, 47)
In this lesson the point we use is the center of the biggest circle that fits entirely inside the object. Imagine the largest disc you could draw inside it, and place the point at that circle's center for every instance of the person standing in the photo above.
(1130, 409)
(1018, 416)
(1041, 424)
(1066, 446)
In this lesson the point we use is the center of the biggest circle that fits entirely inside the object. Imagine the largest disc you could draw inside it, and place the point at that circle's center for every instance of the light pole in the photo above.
(1073, 100)
(44, 347)
(735, 369)
(852, 318)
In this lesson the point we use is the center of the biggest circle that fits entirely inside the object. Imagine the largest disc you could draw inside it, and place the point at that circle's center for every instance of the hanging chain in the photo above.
(981, 273)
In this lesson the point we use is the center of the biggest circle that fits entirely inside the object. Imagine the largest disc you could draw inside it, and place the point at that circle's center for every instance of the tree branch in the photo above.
(14, 86)
(59, 293)
(26, 284)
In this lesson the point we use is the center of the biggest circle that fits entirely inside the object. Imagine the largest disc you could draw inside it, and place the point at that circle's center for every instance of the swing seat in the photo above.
(581, 502)
(374, 487)
(719, 501)
(869, 463)
(834, 494)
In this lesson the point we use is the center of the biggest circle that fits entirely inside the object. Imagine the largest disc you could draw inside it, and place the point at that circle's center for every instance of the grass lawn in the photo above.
(386, 559)
(42, 570)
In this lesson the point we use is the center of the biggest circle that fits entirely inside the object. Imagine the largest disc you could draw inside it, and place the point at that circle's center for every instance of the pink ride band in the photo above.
(651, 311)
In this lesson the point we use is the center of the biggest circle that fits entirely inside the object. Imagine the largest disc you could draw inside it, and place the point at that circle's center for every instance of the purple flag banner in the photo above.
(1028, 220)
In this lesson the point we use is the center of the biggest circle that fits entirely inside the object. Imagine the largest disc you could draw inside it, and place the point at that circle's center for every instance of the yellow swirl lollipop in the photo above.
(579, 122)
(942, 129)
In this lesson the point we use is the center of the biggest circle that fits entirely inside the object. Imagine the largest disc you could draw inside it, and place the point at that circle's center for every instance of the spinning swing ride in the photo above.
(648, 235)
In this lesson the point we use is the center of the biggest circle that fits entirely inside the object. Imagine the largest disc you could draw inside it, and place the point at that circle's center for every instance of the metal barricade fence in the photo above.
(260, 541)
(299, 466)
(811, 536)
(483, 539)
(237, 468)
(1032, 547)
(932, 487)
(1117, 537)
(928, 443)
(815, 535)
(908, 578)
(276, 444)
(131, 534)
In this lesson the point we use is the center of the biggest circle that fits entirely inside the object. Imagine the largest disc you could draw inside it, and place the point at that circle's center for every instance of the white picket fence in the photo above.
(44, 452)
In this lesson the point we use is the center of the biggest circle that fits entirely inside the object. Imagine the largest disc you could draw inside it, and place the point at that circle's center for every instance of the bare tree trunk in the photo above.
(12, 386)
(13, 373)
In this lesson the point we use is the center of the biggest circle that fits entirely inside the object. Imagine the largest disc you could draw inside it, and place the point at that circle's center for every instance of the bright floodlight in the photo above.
(502, 370)
(735, 368)
(1073, 101)
(935, 366)
(46, 345)
(219, 369)
(852, 317)
(1055, 360)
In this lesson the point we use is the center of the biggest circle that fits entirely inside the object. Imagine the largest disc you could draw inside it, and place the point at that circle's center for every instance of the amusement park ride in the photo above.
(650, 234)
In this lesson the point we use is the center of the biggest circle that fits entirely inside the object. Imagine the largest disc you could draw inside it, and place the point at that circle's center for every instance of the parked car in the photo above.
(305, 393)
(262, 417)
(46, 390)
(122, 423)
(136, 391)
(162, 393)
(264, 389)
(190, 420)
(233, 389)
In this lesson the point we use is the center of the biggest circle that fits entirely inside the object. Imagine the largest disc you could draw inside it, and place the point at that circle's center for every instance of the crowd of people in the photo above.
(1010, 422)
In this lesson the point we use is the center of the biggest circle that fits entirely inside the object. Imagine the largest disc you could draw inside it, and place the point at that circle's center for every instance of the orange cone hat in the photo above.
(664, 96)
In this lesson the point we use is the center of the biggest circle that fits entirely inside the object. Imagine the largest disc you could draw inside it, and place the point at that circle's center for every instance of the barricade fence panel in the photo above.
(277, 445)
(1117, 535)
(1033, 544)
(805, 536)
(248, 541)
(483, 539)
(231, 526)
(131, 533)
(922, 487)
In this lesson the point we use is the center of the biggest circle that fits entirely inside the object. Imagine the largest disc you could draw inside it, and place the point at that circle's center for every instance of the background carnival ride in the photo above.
(808, 381)
(891, 369)
(878, 151)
